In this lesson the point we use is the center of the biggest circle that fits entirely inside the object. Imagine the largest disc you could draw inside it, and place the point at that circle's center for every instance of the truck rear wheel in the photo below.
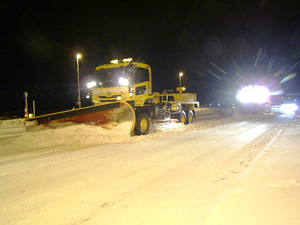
(142, 124)
(182, 117)
(190, 117)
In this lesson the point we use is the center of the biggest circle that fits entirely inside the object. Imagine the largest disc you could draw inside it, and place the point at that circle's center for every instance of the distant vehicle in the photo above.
(254, 99)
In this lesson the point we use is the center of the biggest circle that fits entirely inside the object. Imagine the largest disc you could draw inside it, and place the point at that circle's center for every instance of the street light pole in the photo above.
(78, 56)
(26, 106)
(180, 75)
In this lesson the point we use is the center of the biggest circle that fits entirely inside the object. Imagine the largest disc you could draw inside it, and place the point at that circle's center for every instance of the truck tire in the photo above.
(182, 117)
(190, 117)
(142, 124)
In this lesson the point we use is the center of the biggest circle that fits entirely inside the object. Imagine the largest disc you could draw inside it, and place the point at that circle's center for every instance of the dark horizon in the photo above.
(219, 45)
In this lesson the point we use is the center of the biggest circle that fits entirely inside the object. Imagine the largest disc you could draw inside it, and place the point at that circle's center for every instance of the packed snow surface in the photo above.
(237, 170)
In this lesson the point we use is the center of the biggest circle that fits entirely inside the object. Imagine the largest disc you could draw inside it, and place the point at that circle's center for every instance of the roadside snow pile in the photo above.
(81, 135)
(74, 134)
(19, 121)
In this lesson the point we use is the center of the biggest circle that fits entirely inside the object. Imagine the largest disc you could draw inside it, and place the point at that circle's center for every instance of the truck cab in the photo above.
(126, 80)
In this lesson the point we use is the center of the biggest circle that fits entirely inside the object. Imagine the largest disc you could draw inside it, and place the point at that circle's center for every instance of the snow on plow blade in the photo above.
(107, 115)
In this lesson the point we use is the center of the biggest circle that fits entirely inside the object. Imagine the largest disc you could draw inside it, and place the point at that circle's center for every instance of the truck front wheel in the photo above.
(142, 124)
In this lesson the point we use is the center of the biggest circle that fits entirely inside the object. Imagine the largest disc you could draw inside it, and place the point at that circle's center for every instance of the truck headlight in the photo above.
(288, 108)
(91, 84)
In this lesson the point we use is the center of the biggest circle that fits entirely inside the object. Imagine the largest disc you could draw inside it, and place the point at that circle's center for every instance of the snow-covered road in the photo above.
(175, 177)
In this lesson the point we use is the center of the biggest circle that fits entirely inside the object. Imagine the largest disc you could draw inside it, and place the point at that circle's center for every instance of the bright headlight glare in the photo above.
(91, 84)
(288, 108)
(254, 94)
(123, 81)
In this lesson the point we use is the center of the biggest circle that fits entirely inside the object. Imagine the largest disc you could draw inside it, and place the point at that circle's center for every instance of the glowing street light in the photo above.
(78, 56)
(180, 75)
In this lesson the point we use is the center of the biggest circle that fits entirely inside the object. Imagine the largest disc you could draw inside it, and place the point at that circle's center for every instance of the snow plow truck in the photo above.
(122, 91)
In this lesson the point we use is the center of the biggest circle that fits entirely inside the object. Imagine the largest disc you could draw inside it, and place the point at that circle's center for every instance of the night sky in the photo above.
(218, 45)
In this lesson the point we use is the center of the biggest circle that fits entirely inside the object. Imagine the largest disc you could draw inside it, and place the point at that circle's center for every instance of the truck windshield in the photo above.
(111, 77)
(140, 75)
(121, 76)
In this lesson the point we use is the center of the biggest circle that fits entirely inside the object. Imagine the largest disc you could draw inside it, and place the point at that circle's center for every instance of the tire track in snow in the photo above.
(127, 188)
(205, 193)
(174, 205)
(172, 169)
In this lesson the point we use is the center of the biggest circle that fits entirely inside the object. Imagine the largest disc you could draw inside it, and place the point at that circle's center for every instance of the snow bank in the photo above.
(81, 135)
(74, 134)
(19, 121)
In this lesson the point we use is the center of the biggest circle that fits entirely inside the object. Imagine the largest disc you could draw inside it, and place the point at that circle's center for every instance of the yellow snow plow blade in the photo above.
(125, 116)
(106, 115)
